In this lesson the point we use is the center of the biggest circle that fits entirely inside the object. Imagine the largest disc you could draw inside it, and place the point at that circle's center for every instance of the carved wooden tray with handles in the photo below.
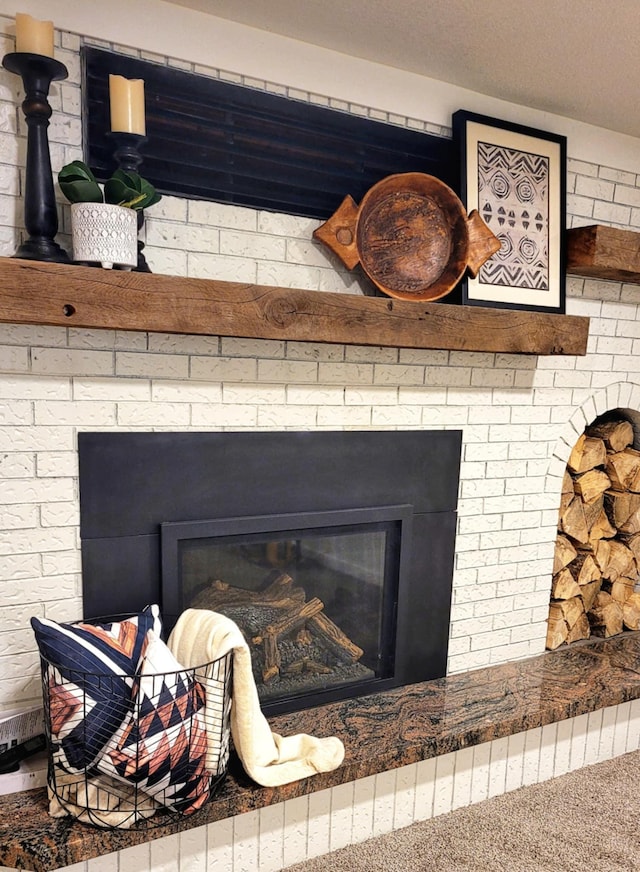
(412, 236)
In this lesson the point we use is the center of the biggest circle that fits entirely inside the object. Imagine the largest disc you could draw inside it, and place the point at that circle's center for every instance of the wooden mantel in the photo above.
(602, 252)
(33, 292)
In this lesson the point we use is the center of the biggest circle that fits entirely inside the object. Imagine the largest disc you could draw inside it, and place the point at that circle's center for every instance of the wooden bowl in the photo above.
(412, 236)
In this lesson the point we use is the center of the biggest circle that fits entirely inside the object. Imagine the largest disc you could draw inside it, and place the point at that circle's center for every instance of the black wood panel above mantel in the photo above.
(215, 140)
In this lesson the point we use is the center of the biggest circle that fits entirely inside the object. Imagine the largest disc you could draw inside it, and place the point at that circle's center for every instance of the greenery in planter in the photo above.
(128, 189)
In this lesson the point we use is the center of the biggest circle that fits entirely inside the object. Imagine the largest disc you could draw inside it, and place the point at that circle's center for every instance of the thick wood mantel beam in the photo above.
(32, 292)
(602, 252)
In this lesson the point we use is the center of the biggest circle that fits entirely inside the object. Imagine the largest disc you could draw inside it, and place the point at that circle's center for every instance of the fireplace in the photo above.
(333, 551)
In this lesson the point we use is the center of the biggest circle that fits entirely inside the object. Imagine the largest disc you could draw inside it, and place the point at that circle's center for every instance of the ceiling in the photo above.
(576, 58)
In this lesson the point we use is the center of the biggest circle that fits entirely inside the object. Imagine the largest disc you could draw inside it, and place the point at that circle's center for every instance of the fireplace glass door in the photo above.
(315, 595)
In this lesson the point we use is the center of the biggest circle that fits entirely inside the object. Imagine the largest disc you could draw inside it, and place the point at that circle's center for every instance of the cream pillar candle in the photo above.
(127, 105)
(33, 36)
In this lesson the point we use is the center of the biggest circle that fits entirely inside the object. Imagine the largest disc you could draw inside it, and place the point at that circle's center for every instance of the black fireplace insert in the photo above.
(333, 551)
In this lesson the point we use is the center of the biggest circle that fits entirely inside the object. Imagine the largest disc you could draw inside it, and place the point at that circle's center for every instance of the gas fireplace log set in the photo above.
(597, 554)
(287, 634)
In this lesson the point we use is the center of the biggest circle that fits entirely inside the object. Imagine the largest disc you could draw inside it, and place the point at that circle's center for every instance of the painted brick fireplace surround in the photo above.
(519, 416)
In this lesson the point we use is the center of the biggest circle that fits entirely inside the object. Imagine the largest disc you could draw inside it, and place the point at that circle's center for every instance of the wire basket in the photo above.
(127, 748)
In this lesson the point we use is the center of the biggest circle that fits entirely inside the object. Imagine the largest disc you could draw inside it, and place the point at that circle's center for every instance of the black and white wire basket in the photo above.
(127, 748)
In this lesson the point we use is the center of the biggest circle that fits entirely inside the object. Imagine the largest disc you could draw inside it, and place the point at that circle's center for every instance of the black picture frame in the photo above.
(515, 176)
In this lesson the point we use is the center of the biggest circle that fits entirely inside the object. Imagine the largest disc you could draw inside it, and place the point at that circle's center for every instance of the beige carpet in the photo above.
(586, 821)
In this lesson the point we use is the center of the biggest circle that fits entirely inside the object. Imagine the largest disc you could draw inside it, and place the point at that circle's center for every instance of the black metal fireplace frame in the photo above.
(396, 519)
(130, 483)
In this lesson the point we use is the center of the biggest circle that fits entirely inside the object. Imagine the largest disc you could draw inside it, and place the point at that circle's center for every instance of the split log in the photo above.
(602, 553)
(575, 458)
(602, 528)
(592, 512)
(621, 589)
(605, 616)
(616, 435)
(620, 507)
(631, 612)
(557, 629)
(632, 524)
(567, 493)
(589, 592)
(592, 484)
(587, 453)
(567, 623)
(584, 568)
(564, 586)
(619, 560)
(580, 630)
(572, 609)
(573, 522)
(633, 542)
(623, 469)
(564, 553)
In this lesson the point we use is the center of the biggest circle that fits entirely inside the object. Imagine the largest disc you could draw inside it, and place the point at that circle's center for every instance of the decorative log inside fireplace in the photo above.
(294, 644)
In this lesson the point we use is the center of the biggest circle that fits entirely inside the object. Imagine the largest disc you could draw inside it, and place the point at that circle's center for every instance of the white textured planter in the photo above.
(104, 233)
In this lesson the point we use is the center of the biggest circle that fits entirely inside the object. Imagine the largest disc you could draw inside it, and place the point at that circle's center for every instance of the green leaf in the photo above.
(117, 191)
(155, 199)
(78, 184)
(82, 191)
(130, 190)
(77, 170)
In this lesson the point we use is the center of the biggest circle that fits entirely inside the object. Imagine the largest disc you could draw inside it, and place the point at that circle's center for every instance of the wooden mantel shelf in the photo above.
(33, 292)
(603, 252)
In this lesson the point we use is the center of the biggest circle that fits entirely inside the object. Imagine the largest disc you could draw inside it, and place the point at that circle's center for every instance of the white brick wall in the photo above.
(519, 416)
(516, 440)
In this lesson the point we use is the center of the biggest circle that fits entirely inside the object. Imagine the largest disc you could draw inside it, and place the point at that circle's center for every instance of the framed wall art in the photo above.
(515, 177)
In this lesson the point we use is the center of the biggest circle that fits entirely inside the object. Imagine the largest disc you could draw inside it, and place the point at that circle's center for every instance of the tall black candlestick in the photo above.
(128, 157)
(40, 213)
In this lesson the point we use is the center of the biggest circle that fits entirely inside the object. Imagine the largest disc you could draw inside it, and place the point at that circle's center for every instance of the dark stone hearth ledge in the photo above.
(381, 732)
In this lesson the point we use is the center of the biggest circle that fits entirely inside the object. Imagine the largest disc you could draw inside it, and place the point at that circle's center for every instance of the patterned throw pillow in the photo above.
(162, 745)
(89, 671)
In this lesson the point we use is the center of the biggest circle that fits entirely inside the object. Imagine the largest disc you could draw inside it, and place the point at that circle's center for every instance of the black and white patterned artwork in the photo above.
(513, 200)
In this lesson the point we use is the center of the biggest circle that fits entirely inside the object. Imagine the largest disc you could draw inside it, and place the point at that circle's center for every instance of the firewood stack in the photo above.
(597, 554)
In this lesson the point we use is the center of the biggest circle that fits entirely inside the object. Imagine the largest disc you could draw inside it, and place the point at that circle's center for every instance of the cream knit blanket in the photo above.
(201, 636)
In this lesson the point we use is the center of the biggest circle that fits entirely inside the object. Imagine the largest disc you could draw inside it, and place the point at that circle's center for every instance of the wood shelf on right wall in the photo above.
(601, 252)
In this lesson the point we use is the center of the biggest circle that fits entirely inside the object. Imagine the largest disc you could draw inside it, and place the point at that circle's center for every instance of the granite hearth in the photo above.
(381, 732)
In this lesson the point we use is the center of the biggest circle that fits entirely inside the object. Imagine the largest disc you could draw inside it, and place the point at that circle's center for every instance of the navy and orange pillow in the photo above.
(90, 671)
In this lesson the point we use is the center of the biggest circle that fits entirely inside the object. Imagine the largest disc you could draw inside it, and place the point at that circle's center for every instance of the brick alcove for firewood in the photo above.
(596, 571)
